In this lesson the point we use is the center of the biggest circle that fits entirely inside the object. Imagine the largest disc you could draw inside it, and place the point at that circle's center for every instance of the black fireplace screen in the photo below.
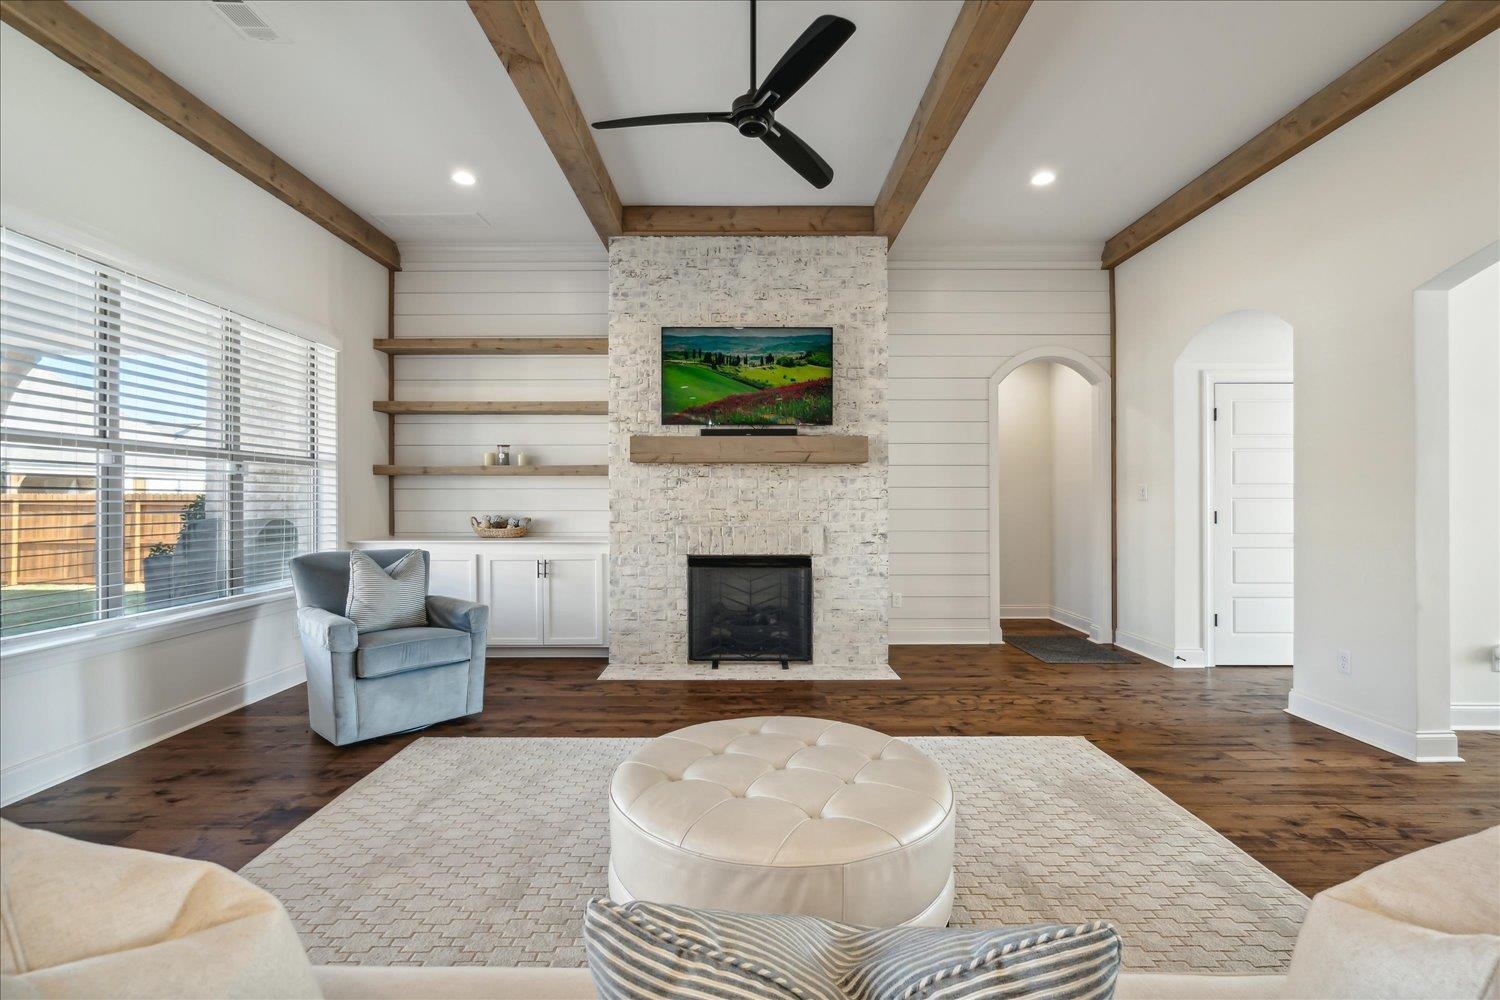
(750, 607)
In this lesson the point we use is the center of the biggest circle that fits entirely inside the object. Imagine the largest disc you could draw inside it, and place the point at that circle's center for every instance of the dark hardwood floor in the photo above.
(1315, 807)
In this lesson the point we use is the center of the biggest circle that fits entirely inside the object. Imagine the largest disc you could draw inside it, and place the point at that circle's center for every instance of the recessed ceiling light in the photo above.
(464, 178)
(1039, 179)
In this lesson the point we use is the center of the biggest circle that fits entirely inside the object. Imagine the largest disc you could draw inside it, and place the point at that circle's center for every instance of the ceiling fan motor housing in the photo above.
(749, 116)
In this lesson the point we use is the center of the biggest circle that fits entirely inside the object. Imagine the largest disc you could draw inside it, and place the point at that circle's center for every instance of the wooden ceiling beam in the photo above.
(81, 43)
(979, 38)
(519, 37)
(749, 220)
(1443, 33)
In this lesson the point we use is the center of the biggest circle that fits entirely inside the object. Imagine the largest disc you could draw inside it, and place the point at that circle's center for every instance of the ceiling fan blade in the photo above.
(798, 155)
(807, 55)
(685, 118)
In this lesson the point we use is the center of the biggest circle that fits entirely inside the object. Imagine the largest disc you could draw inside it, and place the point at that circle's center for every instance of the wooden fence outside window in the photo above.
(49, 538)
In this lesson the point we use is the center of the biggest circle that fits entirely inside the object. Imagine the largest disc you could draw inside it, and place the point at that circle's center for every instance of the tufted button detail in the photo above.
(784, 814)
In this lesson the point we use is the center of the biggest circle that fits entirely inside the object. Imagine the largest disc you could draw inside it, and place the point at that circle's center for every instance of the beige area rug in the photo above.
(730, 671)
(484, 852)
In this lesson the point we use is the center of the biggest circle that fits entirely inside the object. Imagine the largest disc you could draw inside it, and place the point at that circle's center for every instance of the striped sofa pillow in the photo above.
(380, 599)
(645, 951)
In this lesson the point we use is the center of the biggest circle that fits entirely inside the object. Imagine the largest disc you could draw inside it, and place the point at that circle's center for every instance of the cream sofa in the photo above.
(81, 920)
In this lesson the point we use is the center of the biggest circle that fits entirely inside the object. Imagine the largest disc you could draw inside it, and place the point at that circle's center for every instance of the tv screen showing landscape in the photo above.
(752, 376)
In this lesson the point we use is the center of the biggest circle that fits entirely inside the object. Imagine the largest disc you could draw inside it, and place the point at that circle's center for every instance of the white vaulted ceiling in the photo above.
(656, 56)
(380, 100)
(1127, 101)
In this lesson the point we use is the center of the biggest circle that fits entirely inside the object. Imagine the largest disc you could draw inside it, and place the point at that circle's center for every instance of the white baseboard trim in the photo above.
(1052, 612)
(1426, 747)
(1149, 648)
(543, 652)
(1475, 715)
(940, 637)
(1190, 658)
(31, 776)
(1072, 619)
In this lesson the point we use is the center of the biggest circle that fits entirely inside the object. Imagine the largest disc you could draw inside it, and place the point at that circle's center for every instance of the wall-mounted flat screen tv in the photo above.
(746, 376)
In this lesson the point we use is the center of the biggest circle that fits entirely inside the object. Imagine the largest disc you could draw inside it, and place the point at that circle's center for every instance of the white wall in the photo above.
(1073, 541)
(1025, 494)
(1245, 344)
(955, 320)
(473, 291)
(80, 167)
(1334, 241)
(1474, 495)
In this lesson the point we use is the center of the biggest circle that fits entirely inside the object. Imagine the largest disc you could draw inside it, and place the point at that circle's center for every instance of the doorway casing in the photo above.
(1247, 345)
(1101, 488)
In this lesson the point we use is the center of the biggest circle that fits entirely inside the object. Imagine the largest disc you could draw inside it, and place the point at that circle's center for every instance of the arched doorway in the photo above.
(1098, 542)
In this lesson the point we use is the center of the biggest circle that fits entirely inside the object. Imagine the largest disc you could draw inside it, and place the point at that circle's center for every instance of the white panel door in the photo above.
(452, 576)
(1252, 523)
(575, 600)
(513, 585)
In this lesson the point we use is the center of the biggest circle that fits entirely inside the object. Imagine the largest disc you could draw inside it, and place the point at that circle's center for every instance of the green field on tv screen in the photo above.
(746, 376)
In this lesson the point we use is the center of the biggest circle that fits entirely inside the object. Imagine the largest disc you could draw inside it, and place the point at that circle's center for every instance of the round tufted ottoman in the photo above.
(784, 815)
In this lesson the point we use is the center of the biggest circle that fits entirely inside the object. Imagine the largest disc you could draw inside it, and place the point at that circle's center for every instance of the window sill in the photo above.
(25, 654)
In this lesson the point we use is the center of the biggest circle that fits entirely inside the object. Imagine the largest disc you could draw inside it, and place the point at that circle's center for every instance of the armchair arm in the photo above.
(466, 616)
(326, 630)
(450, 612)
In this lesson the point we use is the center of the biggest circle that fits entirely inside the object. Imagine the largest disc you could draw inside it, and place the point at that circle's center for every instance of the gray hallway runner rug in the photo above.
(1067, 649)
(484, 851)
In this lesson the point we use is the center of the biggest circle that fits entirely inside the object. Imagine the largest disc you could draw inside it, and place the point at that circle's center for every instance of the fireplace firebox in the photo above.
(750, 608)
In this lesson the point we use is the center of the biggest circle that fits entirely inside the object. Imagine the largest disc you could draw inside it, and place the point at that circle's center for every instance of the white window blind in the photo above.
(156, 451)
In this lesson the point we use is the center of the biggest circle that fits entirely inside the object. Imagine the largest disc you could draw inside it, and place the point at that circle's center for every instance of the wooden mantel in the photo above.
(802, 449)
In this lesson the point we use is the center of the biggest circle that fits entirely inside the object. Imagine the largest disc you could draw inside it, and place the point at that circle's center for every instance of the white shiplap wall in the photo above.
(955, 318)
(473, 292)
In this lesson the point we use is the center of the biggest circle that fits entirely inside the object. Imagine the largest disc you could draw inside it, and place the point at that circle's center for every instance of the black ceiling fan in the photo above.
(754, 111)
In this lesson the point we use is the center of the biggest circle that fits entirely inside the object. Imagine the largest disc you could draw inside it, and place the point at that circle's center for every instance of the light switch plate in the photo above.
(1141, 493)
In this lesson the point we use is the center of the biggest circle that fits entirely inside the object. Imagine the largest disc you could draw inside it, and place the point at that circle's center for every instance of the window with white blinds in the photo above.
(156, 451)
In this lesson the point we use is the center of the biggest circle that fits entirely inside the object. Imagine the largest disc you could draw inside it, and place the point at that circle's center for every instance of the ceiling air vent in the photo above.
(246, 20)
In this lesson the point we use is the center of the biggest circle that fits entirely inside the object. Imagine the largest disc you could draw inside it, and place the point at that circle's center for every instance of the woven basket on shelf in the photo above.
(484, 532)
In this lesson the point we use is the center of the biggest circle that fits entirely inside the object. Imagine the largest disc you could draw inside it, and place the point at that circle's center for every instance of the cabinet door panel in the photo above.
(515, 600)
(452, 576)
(575, 606)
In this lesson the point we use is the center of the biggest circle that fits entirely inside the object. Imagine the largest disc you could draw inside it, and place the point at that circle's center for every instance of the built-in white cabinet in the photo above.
(573, 589)
(540, 592)
(516, 595)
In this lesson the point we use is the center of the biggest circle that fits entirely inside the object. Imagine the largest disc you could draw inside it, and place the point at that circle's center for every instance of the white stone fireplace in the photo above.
(662, 513)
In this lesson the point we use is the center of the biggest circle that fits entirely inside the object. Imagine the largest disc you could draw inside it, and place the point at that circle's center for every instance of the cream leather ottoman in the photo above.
(784, 815)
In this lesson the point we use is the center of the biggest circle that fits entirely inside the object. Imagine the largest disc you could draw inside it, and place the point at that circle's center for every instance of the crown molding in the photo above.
(504, 253)
(1081, 256)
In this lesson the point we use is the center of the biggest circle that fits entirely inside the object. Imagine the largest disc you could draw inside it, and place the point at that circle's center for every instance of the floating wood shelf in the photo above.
(805, 449)
(583, 407)
(491, 470)
(493, 345)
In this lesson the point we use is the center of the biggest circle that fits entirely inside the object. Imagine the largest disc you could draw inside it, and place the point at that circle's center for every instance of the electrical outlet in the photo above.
(1344, 661)
(896, 600)
(1141, 493)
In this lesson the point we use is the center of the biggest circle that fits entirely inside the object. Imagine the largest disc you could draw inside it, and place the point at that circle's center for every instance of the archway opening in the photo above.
(1050, 493)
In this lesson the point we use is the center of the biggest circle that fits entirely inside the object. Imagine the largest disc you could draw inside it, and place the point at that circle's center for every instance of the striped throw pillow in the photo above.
(645, 951)
(381, 599)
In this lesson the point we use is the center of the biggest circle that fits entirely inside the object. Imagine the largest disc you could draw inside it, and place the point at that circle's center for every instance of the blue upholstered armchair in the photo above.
(378, 683)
